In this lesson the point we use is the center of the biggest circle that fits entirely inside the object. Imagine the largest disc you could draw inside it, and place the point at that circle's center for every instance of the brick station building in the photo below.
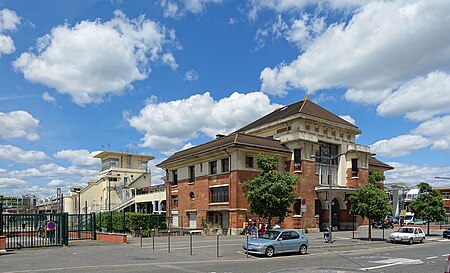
(203, 183)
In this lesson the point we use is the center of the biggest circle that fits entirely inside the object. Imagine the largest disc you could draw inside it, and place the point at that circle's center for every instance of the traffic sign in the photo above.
(403, 212)
(51, 225)
(303, 201)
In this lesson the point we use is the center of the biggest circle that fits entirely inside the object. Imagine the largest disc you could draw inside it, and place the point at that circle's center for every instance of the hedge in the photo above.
(133, 221)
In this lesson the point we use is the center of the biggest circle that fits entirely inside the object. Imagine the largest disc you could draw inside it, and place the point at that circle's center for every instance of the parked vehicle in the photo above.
(393, 220)
(408, 219)
(446, 233)
(277, 241)
(407, 234)
(418, 222)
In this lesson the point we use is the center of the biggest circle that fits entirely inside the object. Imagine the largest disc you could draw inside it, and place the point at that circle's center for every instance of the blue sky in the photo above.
(154, 77)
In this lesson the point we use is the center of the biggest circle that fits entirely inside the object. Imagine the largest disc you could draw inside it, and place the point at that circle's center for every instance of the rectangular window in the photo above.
(192, 174)
(175, 177)
(213, 167)
(446, 195)
(110, 163)
(249, 161)
(201, 167)
(225, 165)
(297, 159)
(219, 194)
(297, 206)
(174, 201)
(354, 167)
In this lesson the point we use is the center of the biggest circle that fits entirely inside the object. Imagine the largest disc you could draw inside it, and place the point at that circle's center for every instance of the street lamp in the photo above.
(77, 190)
(330, 189)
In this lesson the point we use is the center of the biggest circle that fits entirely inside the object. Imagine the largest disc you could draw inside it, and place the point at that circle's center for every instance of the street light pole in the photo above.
(330, 191)
(109, 205)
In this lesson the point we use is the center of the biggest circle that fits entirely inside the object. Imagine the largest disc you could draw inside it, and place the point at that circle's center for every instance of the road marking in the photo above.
(429, 258)
(392, 262)
(445, 255)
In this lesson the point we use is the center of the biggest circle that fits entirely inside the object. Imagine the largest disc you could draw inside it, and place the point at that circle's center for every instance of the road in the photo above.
(345, 255)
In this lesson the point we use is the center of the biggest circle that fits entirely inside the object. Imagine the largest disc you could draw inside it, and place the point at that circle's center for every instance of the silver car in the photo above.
(407, 234)
(277, 241)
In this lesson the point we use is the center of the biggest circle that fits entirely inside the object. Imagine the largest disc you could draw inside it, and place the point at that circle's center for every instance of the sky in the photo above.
(155, 77)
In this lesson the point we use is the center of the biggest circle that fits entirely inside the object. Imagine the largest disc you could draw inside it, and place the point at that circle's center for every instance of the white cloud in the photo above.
(420, 98)
(191, 75)
(383, 45)
(9, 21)
(170, 125)
(349, 119)
(94, 59)
(178, 9)
(367, 96)
(54, 171)
(15, 154)
(289, 6)
(233, 21)
(437, 130)
(169, 60)
(48, 98)
(18, 124)
(12, 183)
(414, 174)
(80, 158)
(399, 146)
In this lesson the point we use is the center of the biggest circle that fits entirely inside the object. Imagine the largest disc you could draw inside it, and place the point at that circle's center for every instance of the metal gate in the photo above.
(34, 230)
(81, 226)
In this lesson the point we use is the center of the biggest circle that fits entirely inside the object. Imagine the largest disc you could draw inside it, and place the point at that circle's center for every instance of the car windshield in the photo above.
(409, 217)
(406, 230)
(270, 235)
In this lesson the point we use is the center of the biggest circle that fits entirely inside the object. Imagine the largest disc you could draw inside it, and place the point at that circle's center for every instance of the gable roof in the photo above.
(375, 162)
(233, 140)
(305, 107)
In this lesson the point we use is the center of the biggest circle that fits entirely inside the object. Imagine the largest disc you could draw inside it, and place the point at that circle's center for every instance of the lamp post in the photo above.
(330, 190)
(109, 206)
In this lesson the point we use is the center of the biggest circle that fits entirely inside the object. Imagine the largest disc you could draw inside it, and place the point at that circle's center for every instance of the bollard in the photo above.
(168, 242)
(153, 238)
(247, 246)
(383, 233)
(217, 244)
(140, 234)
(190, 242)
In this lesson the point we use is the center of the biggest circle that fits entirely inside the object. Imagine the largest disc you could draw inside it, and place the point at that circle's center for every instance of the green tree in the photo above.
(428, 205)
(370, 202)
(376, 177)
(271, 193)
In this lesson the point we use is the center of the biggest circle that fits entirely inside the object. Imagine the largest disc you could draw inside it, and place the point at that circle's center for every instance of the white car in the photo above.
(407, 234)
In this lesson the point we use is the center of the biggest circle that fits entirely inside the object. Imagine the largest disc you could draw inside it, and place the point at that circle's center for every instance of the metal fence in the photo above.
(33, 230)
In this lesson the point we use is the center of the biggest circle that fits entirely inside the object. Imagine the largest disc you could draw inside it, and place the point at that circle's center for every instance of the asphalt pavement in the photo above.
(348, 253)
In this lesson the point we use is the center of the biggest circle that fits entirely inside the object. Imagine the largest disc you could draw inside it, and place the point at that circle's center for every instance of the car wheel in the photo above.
(422, 240)
(303, 249)
(270, 251)
(410, 241)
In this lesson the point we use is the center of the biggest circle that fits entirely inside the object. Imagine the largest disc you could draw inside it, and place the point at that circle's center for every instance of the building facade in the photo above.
(121, 176)
(315, 145)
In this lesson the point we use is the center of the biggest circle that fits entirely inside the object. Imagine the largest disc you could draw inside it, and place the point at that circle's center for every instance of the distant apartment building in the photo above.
(203, 183)
(121, 177)
(19, 204)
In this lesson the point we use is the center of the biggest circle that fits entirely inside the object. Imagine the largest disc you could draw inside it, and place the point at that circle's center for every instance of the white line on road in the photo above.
(379, 266)
(429, 258)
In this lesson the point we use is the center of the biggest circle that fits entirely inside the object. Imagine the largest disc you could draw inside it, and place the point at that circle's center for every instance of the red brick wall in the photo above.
(237, 206)
(2, 243)
(360, 181)
(112, 238)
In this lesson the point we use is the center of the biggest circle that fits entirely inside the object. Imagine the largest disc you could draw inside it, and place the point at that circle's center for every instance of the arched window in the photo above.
(192, 196)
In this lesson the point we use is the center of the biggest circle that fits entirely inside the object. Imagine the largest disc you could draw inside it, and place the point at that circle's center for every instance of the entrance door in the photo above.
(224, 224)
(193, 220)
(335, 209)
